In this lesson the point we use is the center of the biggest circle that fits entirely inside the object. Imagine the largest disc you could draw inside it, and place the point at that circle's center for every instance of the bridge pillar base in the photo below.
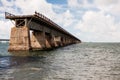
(57, 41)
(48, 40)
(19, 39)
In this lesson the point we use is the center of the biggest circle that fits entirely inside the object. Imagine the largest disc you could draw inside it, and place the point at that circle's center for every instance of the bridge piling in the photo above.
(19, 39)
(37, 40)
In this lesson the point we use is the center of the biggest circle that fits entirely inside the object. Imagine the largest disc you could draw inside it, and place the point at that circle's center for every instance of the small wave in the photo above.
(4, 62)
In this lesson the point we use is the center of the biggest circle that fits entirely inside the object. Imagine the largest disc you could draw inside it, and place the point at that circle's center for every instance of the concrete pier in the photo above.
(37, 32)
(19, 39)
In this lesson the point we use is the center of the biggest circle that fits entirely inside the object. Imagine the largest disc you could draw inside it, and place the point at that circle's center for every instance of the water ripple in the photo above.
(85, 61)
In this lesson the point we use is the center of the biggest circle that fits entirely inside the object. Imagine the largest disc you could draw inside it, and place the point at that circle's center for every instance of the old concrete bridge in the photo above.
(37, 32)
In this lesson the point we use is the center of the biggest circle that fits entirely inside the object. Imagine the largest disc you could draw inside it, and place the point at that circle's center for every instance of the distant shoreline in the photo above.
(4, 39)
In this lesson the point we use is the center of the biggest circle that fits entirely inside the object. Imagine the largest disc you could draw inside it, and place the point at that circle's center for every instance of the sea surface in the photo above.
(84, 61)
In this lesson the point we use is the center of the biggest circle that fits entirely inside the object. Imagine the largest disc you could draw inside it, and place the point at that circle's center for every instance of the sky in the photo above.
(88, 20)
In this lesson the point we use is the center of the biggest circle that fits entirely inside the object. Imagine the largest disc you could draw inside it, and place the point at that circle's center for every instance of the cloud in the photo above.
(7, 3)
(80, 4)
(99, 21)
(98, 27)
(65, 19)
(90, 20)
(109, 6)
(5, 27)
(35, 5)
(72, 3)
(27, 7)
(105, 2)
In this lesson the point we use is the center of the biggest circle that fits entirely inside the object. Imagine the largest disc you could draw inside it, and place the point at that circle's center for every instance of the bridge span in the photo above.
(37, 32)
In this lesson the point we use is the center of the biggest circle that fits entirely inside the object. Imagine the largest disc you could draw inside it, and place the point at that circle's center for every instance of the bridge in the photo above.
(31, 32)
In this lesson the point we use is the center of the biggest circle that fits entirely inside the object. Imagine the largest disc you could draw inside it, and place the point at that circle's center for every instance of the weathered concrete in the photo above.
(37, 40)
(57, 41)
(48, 40)
(19, 39)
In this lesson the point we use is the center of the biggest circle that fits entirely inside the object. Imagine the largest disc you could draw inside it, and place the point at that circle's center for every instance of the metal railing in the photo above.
(44, 17)
(47, 19)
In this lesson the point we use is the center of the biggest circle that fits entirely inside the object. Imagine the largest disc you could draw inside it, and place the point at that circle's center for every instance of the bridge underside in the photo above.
(37, 32)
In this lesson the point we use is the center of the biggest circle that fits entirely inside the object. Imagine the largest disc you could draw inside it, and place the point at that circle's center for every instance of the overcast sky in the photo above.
(89, 20)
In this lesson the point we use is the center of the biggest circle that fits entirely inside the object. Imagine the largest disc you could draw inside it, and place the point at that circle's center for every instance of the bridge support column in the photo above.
(38, 40)
(64, 42)
(48, 40)
(52, 41)
(41, 40)
(57, 41)
(19, 39)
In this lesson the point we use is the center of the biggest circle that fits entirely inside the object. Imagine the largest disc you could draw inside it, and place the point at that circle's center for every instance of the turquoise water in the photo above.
(85, 61)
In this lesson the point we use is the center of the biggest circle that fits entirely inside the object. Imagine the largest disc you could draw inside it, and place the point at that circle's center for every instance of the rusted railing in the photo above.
(44, 17)
(47, 19)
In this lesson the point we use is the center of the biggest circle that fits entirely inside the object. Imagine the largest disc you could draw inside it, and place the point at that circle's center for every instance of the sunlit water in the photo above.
(85, 61)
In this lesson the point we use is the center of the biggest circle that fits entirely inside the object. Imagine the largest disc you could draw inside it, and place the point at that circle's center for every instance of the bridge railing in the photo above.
(47, 19)
(44, 17)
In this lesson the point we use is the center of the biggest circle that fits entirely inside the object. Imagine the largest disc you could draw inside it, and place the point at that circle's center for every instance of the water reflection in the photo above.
(24, 53)
(19, 58)
(21, 64)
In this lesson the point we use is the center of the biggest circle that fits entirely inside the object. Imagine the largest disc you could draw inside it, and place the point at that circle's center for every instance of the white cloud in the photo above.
(98, 20)
(98, 27)
(79, 4)
(35, 5)
(105, 2)
(73, 3)
(68, 18)
(95, 21)
(27, 7)
(65, 19)
(5, 27)
(7, 3)
(109, 6)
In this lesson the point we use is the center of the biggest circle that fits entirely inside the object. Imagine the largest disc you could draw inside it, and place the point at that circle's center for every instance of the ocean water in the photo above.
(84, 61)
